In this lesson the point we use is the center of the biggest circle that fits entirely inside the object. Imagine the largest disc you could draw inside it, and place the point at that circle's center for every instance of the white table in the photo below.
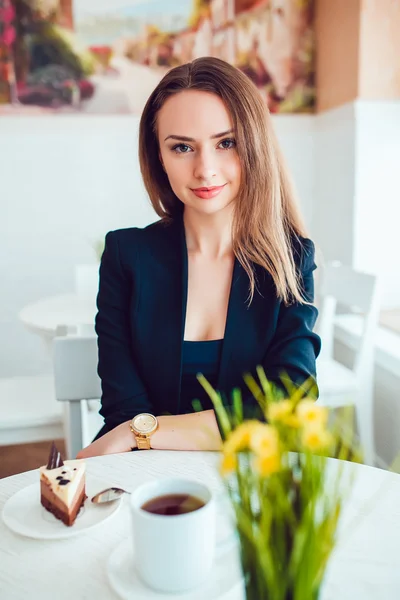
(70, 310)
(365, 566)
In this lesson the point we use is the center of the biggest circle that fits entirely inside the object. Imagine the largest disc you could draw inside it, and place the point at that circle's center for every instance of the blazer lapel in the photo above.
(237, 320)
(245, 340)
(166, 297)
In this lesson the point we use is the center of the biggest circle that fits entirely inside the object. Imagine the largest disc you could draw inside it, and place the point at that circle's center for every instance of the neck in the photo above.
(209, 235)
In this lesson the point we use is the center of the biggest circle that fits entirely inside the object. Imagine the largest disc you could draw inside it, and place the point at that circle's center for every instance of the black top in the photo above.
(199, 357)
(141, 322)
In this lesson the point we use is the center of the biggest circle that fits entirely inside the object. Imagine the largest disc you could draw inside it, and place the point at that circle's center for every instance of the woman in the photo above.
(221, 284)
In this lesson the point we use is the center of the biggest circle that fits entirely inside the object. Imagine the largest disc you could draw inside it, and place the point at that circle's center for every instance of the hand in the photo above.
(120, 439)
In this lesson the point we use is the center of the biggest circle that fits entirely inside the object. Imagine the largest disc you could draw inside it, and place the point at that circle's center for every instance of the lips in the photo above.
(208, 192)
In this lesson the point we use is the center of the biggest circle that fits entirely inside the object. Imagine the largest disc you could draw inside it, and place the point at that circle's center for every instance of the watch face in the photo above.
(144, 423)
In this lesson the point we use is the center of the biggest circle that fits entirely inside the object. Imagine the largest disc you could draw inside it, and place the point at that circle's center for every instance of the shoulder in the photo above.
(129, 234)
(303, 252)
(157, 242)
(142, 236)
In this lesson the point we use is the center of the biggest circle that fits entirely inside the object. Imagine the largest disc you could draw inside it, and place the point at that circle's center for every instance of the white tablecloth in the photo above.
(365, 565)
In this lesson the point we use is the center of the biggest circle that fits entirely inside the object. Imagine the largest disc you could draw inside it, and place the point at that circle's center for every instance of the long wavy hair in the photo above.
(266, 216)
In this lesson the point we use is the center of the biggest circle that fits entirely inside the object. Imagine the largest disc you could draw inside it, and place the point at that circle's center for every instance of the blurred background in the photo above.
(74, 75)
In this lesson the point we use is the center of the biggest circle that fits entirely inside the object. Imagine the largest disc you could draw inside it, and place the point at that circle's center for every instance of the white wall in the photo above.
(65, 182)
(377, 197)
(335, 159)
(296, 135)
(356, 212)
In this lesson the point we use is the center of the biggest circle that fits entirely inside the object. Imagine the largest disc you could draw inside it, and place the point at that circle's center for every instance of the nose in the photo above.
(205, 167)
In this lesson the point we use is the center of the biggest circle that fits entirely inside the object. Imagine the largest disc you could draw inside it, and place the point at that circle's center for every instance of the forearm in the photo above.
(196, 431)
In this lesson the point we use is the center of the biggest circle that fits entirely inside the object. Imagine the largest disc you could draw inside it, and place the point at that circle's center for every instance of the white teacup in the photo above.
(173, 553)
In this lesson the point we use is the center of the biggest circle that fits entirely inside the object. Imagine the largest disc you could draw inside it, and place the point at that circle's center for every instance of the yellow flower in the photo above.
(239, 438)
(310, 413)
(229, 463)
(264, 440)
(279, 410)
(316, 437)
(282, 412)
(292, 421)
(266, 464)
(265, 444)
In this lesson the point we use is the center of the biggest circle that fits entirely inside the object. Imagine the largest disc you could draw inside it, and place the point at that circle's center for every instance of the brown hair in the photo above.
(265, 215)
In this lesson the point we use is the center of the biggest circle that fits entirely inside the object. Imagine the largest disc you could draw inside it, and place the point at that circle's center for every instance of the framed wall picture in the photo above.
(106, 56)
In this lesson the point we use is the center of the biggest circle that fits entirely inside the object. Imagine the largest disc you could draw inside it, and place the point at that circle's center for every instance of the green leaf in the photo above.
(220, 410)
(237, 405)
(265, 384)
(255, 390)
(197, 407)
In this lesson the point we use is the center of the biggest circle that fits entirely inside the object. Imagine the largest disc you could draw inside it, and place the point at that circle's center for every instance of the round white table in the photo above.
(69, 310)
(364, 566)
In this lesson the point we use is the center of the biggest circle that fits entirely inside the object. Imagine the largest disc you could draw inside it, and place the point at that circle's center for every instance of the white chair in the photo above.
(28, 412)
(77, 383)
(339, 385)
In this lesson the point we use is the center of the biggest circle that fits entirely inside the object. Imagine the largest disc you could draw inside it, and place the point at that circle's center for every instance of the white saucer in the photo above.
(23, 514)
(225, 582)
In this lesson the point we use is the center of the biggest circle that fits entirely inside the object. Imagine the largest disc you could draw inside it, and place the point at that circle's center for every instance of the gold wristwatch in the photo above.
(143, 426)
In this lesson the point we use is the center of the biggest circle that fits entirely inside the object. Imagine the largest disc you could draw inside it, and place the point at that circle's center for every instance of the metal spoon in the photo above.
(109, 495)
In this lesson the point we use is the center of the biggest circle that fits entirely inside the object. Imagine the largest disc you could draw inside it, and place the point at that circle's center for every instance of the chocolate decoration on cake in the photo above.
(63, 487)
(55, 460)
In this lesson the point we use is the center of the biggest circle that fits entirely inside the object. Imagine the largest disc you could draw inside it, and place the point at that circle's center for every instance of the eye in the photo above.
(227, 144)
(181, 148)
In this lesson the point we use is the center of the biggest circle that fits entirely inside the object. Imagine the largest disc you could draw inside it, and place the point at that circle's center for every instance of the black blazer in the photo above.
(141, 318)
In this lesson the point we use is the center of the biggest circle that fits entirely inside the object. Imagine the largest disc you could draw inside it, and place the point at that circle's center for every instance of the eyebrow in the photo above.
(184, 138)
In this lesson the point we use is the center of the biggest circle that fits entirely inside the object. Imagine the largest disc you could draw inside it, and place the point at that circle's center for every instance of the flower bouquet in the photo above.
(285, 498)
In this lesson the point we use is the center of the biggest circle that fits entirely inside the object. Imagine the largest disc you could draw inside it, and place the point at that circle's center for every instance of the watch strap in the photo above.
(143, 442)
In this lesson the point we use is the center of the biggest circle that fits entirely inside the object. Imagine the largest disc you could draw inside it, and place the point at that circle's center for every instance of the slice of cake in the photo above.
(62, 486)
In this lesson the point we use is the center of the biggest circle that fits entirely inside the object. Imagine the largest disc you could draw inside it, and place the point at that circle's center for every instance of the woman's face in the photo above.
(198, 150)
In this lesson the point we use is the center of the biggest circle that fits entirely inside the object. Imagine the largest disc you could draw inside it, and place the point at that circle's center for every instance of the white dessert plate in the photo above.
(23, 513)
(225, 582)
